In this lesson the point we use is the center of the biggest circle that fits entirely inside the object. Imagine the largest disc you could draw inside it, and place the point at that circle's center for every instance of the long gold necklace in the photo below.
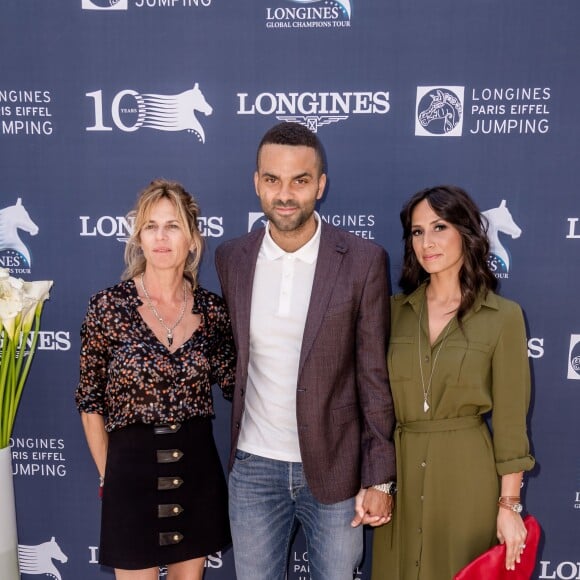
(427, 391)
(168, 329)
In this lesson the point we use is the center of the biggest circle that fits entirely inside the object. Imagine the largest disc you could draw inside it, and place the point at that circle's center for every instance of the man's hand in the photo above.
(372, 507)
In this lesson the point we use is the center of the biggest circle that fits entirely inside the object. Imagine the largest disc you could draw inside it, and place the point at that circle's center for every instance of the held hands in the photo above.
(512, 532)
(372, 507)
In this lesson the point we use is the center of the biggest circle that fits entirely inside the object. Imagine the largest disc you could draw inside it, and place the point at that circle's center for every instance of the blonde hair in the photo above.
(187, 215)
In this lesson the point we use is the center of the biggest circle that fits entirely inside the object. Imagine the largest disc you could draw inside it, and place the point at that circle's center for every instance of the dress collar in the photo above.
(489, 300)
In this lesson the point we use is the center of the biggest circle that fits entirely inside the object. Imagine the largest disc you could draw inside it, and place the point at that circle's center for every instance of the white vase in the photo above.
(8, 535)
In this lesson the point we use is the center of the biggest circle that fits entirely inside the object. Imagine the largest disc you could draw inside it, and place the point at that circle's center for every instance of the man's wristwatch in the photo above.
(390, 488)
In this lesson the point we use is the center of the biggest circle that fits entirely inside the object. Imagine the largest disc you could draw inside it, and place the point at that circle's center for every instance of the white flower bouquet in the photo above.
(20, 310)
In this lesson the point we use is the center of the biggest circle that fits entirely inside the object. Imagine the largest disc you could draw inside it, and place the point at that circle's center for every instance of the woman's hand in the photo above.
(372, 507)
(512, 532)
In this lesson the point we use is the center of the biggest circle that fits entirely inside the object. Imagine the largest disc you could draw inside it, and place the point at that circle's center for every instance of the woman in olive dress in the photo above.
(458, 352)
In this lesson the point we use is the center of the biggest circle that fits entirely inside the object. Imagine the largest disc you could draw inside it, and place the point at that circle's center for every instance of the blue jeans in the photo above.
(267, 501)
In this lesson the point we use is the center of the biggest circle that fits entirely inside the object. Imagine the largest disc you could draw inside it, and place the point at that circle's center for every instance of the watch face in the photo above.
(517, 507)
(391, 488)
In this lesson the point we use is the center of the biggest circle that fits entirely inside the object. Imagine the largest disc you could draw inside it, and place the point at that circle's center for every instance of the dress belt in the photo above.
(452, 424)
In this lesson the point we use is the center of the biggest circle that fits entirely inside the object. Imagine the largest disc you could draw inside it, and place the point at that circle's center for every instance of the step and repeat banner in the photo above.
(98, 97)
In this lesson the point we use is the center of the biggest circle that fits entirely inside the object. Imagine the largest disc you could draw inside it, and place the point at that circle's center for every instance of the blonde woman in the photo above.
(152, 346)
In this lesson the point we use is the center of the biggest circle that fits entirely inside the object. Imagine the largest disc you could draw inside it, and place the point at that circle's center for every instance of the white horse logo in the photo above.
(256, 220)
(500, 220)
(12, 219)
(173, 112)
(38, 559)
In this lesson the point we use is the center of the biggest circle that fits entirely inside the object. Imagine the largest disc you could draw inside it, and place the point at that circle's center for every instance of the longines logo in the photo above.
(574, 358)
(535, 347)
(510, 110)
(212, 561)
(39, 559)
(500, 220)
(38, 457)
(314, 110)
(131, 111)
(124, 4)
(14, 255)
(25, 112)
(439, 111)
(444, 111)
(561, 571)
(360, 225)
(300, 568)
(54, 340)
(573, 234)
(310, 14)
(121, 227)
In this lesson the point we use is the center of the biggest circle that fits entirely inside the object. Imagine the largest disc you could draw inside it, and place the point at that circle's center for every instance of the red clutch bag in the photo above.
(491, 564)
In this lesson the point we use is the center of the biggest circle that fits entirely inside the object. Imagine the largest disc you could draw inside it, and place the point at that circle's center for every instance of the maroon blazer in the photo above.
(344, 406)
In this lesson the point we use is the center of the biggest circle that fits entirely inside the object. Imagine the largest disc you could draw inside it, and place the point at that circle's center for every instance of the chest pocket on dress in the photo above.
(400, 357)
(473, 361)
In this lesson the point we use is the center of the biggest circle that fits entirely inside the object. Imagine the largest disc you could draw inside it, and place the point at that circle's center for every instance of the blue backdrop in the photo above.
(97, 97)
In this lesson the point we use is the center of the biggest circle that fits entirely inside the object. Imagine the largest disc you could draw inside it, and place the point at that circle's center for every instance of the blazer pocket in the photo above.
(346, 414)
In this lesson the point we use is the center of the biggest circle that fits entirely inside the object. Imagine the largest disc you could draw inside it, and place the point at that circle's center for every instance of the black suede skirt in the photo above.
(165, 496)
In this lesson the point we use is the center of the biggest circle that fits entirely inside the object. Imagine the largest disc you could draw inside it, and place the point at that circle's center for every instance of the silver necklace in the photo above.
(427, 390)
(169, 329)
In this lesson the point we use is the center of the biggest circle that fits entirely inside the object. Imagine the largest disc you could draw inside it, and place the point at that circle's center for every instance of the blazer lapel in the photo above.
(245, 270)
(330, 255)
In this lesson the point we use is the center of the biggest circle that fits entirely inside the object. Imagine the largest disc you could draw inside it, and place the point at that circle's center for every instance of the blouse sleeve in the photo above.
(223, 355)
(511, 394)
(90, 393)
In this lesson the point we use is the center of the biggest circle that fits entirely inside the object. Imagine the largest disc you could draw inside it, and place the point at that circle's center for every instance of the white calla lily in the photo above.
(38, 290)
(34, 295)
(20, 310)
(11, 305)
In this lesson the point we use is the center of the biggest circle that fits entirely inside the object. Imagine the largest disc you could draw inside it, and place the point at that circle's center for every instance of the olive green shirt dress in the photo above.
(448, 463)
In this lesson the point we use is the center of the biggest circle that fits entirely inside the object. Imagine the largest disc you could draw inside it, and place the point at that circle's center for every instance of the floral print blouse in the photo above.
(128, 376)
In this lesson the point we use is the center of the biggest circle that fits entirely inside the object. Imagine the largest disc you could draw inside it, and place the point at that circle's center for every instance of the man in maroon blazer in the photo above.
(312, 414)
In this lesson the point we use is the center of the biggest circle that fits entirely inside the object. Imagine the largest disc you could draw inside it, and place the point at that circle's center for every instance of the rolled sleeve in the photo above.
(511, 395)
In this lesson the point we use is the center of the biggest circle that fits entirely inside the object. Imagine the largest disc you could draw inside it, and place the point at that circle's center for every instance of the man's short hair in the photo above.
(292, 134)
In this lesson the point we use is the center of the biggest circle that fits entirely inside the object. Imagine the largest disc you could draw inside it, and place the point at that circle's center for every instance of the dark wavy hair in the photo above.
(286, 133)
(452, 204)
